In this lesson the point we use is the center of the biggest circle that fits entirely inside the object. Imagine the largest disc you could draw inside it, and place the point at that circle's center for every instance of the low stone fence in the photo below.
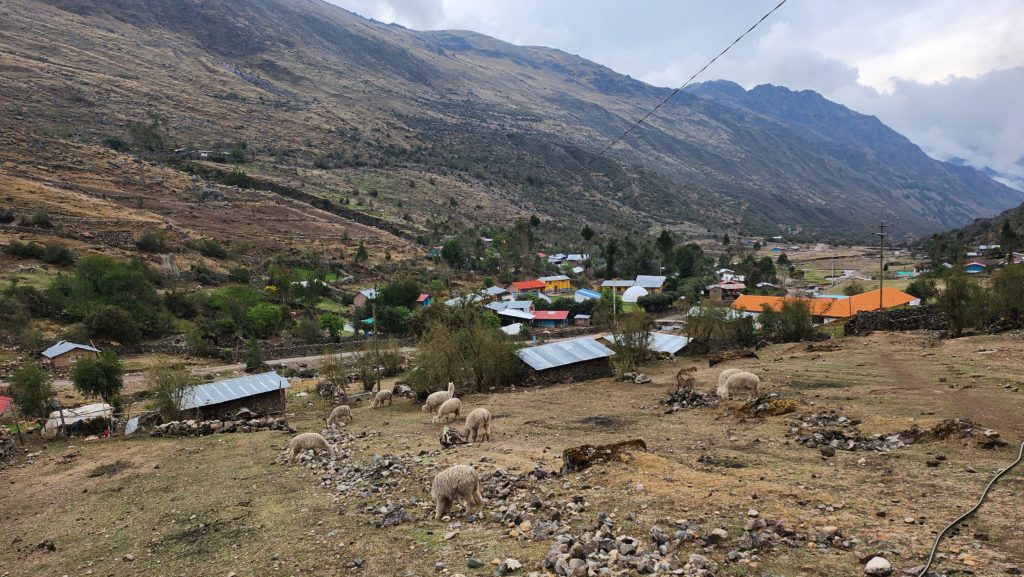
(193, 428)
(925, 317)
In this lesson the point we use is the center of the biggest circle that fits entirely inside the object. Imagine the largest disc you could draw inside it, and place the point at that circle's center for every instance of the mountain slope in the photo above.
(331, 101)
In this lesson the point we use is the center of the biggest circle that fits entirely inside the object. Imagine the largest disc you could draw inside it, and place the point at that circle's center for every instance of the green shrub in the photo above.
(152, 240)
(32, 390)
(113, 323)
(102, 377)
(57, 254)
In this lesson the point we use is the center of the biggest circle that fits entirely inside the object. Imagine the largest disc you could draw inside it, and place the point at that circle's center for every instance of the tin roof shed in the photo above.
(562, 353)
(232, 389)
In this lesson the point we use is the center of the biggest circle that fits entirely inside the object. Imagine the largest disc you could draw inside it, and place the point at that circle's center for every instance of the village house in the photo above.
(586, 295)
(424, 300)
(556, 284)
(526, 287)
(520, 305)
(494, 292)
(364, 297)
(571, 360)
(581, 320)
(264, 393)
(550, 319)
(826, 310)
(652, 284)
(512, 316)
(619, 286)
(64, 354)
(725, 291)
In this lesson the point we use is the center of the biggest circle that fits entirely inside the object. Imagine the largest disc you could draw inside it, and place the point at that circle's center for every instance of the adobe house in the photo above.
(567, 361)
(64, 354)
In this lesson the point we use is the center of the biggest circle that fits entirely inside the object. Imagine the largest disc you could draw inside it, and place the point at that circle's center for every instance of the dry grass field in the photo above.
(225, 504)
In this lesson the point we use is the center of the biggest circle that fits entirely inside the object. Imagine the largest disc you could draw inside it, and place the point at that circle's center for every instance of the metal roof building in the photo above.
(662, 343)
(563, 353)
(232, 390)
(64, 347)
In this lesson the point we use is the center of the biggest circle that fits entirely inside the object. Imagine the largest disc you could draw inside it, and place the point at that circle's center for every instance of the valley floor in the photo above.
(226, 504)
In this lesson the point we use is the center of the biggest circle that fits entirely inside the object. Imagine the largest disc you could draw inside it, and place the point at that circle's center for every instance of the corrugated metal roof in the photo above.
(649, 281)
(554, 278)
(513, 329)
(516, 314)
(494, 291)
(563, 353)
(662, 343)
(4, 403)
(618, 283)
(64, 346)
(232, 389)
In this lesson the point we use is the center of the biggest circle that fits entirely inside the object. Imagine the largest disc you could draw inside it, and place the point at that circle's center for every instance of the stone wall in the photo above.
(585, 371)
(925, 317)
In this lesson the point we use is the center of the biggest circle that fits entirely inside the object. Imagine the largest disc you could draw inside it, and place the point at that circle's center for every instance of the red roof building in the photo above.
(526, 286)
(550, 318)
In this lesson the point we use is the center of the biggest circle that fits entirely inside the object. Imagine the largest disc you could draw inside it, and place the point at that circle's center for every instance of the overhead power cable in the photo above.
(678, 90)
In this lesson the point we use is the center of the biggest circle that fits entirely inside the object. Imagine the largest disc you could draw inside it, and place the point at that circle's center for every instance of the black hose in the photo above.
(977, 505)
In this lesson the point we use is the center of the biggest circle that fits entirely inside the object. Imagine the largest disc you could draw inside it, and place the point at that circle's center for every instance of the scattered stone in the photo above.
(474, 563)
(46, 545)
(579, 458)
(129, 557)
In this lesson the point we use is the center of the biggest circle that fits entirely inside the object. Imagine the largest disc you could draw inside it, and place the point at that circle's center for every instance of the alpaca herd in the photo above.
(461, 483)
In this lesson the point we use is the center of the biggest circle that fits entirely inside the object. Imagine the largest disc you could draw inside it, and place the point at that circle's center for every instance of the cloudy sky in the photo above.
(948, 74)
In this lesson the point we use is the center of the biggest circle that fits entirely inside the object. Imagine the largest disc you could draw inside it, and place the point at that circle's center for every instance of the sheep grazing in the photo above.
(459, 483)
(401, 391)
(438, 398)
(722, 377)
(741, 382)
(304, 441)
(478, 425)
(382, 397)
(452, 406)
(339, 413)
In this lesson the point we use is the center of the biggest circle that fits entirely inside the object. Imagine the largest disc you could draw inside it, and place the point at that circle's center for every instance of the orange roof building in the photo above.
(827, 307)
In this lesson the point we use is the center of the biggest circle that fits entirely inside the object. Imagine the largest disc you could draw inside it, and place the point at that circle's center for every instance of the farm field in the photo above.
(227, 504)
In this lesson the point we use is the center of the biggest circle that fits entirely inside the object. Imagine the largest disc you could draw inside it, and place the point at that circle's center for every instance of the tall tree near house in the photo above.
(611, 252)
(587, 233)
(101, 377)
(1009, 240)
(665, 243)
(32, 390)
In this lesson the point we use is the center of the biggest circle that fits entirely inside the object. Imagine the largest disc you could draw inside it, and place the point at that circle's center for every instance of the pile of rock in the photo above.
(831, 431)
(6, 448)
(193, 428)
(768, 405)
(601, 550)
(683, 398)
(635, 378)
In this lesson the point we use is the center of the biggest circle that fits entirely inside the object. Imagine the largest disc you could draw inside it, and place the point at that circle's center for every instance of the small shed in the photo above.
(85, 420)
(363, 297)
(424, 300)
(579, 359)
(586, 295)
(64, 354)
(263, 393)
(581, 320)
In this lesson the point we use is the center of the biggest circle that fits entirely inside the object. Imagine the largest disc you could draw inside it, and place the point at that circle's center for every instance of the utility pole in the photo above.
(881, 260)
(376, 345)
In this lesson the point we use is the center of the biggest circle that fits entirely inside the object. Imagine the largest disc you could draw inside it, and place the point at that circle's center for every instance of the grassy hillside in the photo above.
(332, 104)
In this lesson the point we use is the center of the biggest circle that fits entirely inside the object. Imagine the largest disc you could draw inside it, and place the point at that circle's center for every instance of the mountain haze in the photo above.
(329, 100)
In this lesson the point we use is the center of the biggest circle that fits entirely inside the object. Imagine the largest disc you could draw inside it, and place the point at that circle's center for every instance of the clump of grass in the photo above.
(110, 469)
